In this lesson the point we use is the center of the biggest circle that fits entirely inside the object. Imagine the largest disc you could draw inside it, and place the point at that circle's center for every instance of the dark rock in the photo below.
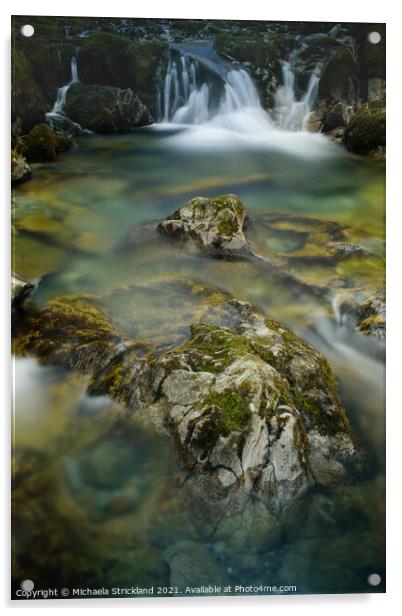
(337, 116)
(106, 109)
(339, 81)
(43, 144)
(121, 62)
(27, 103)
(365, 132)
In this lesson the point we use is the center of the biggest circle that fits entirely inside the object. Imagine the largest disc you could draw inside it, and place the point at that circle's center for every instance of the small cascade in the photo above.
(60, 101)
(56, 118)
(200, 87)
(290, 113)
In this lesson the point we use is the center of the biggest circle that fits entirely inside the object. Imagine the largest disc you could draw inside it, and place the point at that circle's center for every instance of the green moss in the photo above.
(43, 143)
(219, 347)
(233, 408)
(366, 130)
(69, 330)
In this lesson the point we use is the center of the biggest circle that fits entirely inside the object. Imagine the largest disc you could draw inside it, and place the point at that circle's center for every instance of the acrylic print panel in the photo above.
(198, 307)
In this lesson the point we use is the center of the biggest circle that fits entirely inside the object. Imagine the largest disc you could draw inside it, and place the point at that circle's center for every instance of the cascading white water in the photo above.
(215, 104)
(60, 101)
(57, 118)
(290, 113)
(191, 98)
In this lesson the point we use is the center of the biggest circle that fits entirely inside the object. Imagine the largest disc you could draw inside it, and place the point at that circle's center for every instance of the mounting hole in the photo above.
(27, 585)
(374, 38)
(27, 30)
(374, 579)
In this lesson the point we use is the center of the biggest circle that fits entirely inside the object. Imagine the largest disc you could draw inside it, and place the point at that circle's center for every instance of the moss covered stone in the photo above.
(105, 109)
(215, 226)
(43, 144)
(366, 131)
(110, 59)
(69, 331)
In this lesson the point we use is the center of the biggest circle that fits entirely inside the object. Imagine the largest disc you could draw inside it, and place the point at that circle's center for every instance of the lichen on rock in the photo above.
(213, 226)
(254, 411)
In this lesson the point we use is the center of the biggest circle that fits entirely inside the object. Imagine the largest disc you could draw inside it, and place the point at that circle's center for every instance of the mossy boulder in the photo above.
(27, 103)
(213, 226)
(105, 109)
(69, 331)
(43, 144)
(110, 59)
(253, 410)
(366, 131)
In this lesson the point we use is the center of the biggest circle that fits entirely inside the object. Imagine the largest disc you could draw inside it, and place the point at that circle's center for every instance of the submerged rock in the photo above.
(105, 109)
(364, 313)
(192, 565)
(213, 226)
(20, 170)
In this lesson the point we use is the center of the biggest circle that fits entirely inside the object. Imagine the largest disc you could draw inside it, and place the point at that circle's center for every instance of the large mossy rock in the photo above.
(106, 109)
(251, 407)
(366, 131)
(27, 103)
(118, 61)
(43, 144)
(253, 410)
(213, 226)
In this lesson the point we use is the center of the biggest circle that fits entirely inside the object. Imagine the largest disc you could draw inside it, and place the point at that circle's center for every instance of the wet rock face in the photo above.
(253, 410)
(106, 109)
(212, 226)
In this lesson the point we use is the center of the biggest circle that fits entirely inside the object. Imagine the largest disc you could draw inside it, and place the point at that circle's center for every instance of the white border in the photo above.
(292, 10)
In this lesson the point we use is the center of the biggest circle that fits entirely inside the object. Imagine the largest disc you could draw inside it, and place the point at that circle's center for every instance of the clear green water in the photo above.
(94, 518)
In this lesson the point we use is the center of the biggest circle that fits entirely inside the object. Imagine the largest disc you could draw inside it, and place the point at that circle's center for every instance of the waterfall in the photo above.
(56, 118)
(290, 113)
(198, 90)
(60, 101)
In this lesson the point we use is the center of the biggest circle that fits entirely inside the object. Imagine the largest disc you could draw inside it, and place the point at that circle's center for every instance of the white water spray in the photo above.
(60, 101)
(216, 104)
(290, 113)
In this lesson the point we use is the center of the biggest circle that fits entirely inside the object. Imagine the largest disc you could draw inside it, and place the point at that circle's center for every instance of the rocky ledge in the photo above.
(251, 408)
